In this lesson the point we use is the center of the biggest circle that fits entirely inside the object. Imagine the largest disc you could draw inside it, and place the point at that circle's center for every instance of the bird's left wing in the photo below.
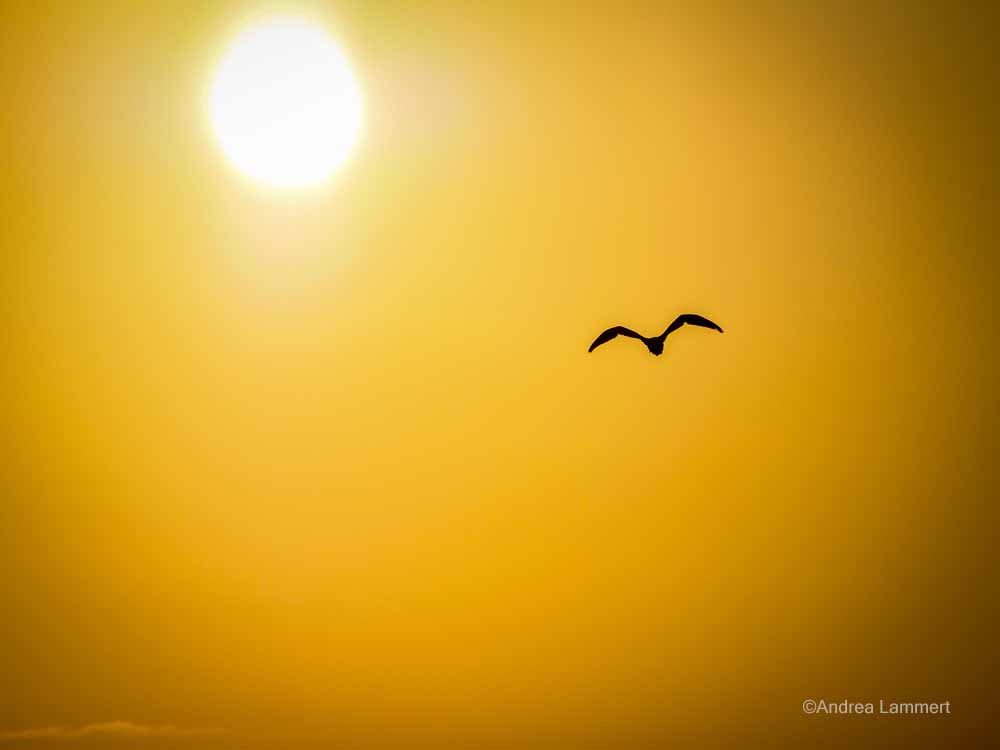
(691, 319)
(611, 333)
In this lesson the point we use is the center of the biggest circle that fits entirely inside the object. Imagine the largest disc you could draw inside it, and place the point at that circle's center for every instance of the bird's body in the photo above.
(654, 343)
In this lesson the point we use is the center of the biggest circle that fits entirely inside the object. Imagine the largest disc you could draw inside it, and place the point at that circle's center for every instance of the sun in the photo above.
(285, 105)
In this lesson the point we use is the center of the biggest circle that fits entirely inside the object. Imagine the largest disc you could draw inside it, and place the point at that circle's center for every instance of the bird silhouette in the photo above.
(654, 344)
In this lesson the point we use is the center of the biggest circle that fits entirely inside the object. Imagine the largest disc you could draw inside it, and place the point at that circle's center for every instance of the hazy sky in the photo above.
(334, 468)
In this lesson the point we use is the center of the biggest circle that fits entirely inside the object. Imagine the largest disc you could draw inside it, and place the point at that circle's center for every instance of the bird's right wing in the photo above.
(611, 333)
(692, 320)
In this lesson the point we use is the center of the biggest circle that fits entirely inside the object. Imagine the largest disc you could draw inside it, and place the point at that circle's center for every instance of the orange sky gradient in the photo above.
(333, 468)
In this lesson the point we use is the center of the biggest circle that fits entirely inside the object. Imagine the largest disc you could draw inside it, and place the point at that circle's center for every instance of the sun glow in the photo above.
(285, 105)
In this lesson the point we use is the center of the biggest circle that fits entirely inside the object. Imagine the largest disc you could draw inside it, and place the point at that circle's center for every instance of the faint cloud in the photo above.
(105, 729)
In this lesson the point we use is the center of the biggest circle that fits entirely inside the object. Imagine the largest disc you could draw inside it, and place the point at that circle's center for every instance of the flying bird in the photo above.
(654, 344)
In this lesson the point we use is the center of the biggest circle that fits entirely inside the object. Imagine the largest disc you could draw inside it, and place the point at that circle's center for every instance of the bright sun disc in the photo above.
(284, 103)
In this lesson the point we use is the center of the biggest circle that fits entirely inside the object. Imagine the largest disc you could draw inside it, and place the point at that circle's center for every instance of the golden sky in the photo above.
(333, 468)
